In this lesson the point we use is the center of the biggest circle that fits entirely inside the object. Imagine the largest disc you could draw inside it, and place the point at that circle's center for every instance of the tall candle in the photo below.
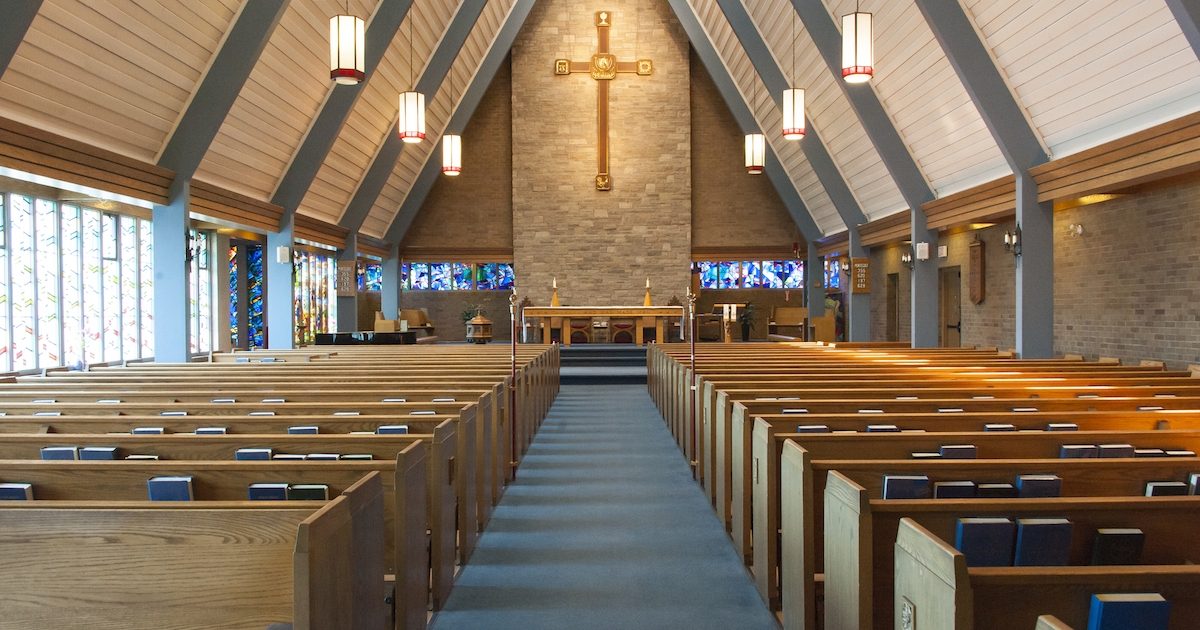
(555, 283)
(647, 282)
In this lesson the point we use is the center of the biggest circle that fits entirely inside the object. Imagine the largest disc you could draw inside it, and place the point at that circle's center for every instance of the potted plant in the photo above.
(746, 319)
(471, 311)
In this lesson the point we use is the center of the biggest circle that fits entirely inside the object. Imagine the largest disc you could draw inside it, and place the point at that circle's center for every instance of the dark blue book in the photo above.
(812, 428)
(1118, 546)
(322, 457)
(1129, 611)
(358, 457)
(996, 491)
(1166, 489)
(882, 428)
(999, 426)
(957, 451)
(308, 492)
(60, 452)
(1115, 450)
(954, 490)
(303, 430)
(16, 492)
(926, 455)
(211, 431)
(906, 487)
(252, 454)
(170, 488)
(268, 491)
(1038, 486)
(1062, 426)
(392, 429)
(986, 542)
(1077, 451)
(1193, 482)
(98, 453)
(148, 431)
(1043, 542)
(1149, 452)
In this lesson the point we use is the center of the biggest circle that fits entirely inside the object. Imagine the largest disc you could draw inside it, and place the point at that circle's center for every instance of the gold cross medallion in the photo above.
(603, 67)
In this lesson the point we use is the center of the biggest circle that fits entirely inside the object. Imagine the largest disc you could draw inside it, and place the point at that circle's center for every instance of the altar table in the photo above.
(562, 316)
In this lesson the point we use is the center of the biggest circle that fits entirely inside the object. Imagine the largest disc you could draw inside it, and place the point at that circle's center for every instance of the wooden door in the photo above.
(893, 307)
(950, 311)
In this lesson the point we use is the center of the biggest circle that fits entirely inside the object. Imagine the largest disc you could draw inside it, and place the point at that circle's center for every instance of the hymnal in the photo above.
(261, 412)
(950, 410)
(870, 411)
(136, 457)
(996, 491)
(108, 401)
(1077, 451)
(882, 428)
(812, 428)
(347, 413)
(1117, 546)
(443, 400)
(1024, 409)
(999, 426)
(1043, 542)
(1193, 481)
(392, 429)
(322, 457)
(308, 492)
(954, 490)
(1038, 486)
(304, 430)
(986, 542)
(395, 400)
(1166, 489)
(1062, 426)
(268, 491)
(211, 431)
(358, 456)
(47, 413)
(1115, 450)
(957, 451)
(1179, 452)
(1129, 611)
(60, 452)
(288, 457)
(98, 453)
(178, 412)
(794, 410)
(16, 492)
(224, 400)
(170, 488)
(149, 431)
(252, 454)
(422, 412)
(273, 401)
(906, 487)
(1149, 452)
(925, 455)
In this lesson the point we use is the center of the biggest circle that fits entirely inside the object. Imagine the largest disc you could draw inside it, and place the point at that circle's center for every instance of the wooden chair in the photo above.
(787, 320)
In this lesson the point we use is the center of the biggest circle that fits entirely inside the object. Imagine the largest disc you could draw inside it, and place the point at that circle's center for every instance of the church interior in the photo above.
(802, 314)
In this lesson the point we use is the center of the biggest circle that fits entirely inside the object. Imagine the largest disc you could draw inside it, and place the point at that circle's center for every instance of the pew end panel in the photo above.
(413, 570)
(1050, 622)
(932, 585)
(798, 596)
(848, 556)
(754, 515)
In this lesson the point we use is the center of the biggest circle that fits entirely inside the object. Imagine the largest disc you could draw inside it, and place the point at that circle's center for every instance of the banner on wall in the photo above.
(860, 275)
(347, 278)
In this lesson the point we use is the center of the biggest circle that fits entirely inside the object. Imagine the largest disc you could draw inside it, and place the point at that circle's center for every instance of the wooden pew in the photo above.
(228, 564)
(945, 594)
(873, 524)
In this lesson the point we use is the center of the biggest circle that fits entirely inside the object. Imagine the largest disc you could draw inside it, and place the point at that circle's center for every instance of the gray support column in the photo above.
(170, 236)
(279, 295)
(1035, 273)
(347, 306)
(389, 302)
(858, 305)
(222, 321)
(1187, 14)
(814, 282)
(18, 15)
(924, 284)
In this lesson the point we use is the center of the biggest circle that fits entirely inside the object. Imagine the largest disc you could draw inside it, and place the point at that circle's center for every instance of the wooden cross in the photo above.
(603, 67)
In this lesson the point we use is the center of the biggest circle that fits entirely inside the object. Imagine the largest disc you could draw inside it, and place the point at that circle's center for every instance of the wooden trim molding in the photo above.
(372, 246)
(986, 203)
(211, 201)
(889, 229)
(464, 254)
(306, 228)
(32, 150)
(834, 244)
(745, 253)
(1162, 151)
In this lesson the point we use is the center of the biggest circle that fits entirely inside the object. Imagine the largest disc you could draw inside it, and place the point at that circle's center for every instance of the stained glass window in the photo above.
(314, 280)
(440, 276)
(61, 301)
(750, 274)
(772, 274)
(254, 289)
(462, 277)
(833, 273)
(146, 282)
(233, 296)
(709, 272)
(488, 277)
(730, 275)
(418, 276)
(504, 271)
(200, 292)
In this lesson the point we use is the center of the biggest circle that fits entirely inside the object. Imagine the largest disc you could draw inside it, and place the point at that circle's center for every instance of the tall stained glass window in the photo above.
(76, 285)
(314, 279)
(370, 276)
(200, 291)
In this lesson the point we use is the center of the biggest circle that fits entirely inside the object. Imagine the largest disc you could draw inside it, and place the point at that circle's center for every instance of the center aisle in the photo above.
(604, 528)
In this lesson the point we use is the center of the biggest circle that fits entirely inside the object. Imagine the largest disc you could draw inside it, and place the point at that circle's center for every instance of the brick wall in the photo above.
(601, 245)
(445, 311)
(474, 210)
(991, 322)
(763, 299)
(729, 207)
(884, 261)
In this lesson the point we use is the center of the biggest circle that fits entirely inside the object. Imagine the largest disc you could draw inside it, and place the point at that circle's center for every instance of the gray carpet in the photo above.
(604, 528)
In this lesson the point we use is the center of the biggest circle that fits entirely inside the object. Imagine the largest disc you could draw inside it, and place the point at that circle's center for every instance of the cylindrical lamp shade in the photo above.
(793, 114)
(756, 153)
(346, 64)
(858, 51)
(451, 154)
(411, 125)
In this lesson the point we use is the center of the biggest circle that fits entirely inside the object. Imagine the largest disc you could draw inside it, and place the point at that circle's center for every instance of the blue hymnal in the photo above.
(882, 428)
(358, 456)
(999, 426)
(60, 452)
(170, 488)
(252, 454)
(954, 490)
(996, 491)
(1129, 611)
(1166, 489)
(308, 492)
(906, 487)
(148, 431)
(1062, 426)
(1115, 450)
(1118, 546)
(1043, 542)
(98, 452)
(268, 491)
(986, 542)
(16, 492)
(1077, 451)
(211, 431)
(957, 451)
(812, 428)
(303, 430)
(392, 429)
(1038, 486)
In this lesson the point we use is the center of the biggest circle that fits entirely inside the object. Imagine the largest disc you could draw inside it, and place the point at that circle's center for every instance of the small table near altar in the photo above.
(656, 316)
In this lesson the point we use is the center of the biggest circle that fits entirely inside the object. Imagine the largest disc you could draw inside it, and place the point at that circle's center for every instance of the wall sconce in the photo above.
(1075, 229)
(906, 258)
(1012, 241)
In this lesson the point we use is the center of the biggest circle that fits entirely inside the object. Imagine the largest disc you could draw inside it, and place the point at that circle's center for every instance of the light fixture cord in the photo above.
(411, 16)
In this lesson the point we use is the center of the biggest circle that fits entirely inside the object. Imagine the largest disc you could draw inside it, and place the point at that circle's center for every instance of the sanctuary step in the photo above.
(603, 364)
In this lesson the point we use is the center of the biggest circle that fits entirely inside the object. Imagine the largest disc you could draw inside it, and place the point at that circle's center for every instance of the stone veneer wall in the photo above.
(445, 311)
(601, 245)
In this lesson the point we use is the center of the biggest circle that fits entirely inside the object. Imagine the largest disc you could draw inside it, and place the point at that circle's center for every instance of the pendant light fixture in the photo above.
(411, 122)
(756, 143)
(346, 35)
(451, 142)
(793, 99)
(858, 49)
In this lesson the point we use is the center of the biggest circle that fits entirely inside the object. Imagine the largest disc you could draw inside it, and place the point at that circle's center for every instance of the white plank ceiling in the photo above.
(118, 74)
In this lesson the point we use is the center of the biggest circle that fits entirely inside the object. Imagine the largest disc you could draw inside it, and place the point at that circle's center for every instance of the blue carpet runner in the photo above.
(604, 528)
